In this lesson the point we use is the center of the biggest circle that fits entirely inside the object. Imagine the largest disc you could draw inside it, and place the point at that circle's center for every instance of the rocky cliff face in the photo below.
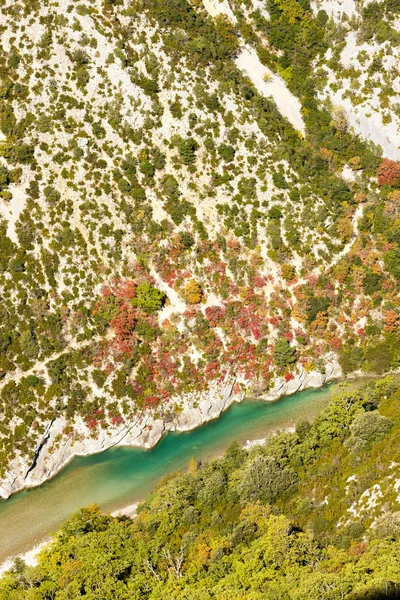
(56, 448)
(304, 379)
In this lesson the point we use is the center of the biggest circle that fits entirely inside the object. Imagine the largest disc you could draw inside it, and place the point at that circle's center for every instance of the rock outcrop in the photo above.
(56, 449)
(304, 379)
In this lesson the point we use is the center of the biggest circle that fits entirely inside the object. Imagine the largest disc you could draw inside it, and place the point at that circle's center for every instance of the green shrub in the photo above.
(279, 180)
(226, 152)
(263, 480)
(148, 298)
(366, 429)
(283, 353)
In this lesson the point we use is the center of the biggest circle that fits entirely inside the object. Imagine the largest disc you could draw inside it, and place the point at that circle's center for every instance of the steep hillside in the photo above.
(169, 239)
(360, 70)
(309, 515)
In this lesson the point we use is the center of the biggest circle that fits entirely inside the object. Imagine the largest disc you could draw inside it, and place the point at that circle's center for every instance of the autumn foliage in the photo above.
(389, 173)
(193, 292)
(392, 320)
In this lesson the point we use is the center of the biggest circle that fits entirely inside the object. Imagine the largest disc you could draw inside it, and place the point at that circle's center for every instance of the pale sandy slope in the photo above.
(266, 82)
(288, 105)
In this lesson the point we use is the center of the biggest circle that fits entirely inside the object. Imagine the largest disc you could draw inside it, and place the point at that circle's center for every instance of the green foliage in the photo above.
(6, 246)
(4, 177)
(386, 525)
(379, 357)
(316, 305)
(186, 239)
(392, 262)
(187, 150)
(372, 283)
(351, 359)
(170, 186)
(226, 152)
(23, 153)
(51, 194)
(204, 41)
(265, 481)
(275, 213)
(148, 298)
(368, 428)
(80, 57)
(147, 168)
(279, 180)
(284, 354)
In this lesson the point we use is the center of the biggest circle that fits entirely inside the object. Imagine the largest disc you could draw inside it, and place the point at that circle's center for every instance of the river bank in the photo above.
(30, 557)
(122, 476)
(57, 449)
(117, 480)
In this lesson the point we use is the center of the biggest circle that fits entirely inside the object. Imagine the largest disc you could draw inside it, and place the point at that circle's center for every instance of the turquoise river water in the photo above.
(122, 476)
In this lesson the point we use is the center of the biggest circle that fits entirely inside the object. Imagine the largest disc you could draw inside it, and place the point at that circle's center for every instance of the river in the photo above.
(121, 476)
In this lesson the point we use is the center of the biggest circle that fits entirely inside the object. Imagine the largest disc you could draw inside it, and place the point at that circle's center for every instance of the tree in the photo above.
(187, 150)
(148, 298)
(186, 240)
(80, 57)
(367, 428)
(4, 177)
(392, 262)
(379, 357)
(389, 173)
(193, 292)
(316, 304)
(147, 168)
(392, 320)
(386, 525)
(279, 180)
(283, 353)
(288, 272)
(351, 359)
(292, 10)
(24, 153)
(372, 283)
(212, 489)
(170, 186)
(192, 466)
(344, 227)
(275, 213)
(392, 207)
(339, 119)
(264, 480)
(226, 152)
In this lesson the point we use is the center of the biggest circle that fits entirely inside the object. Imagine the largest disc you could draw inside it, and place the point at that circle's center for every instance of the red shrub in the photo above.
(215, 314)
(125, 289)
(259, 281)
(124, 322)
(389, 172)
(335, 343)
(151, 401)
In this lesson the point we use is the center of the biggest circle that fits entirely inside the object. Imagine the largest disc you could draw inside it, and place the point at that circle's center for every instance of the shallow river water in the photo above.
(121, 476)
